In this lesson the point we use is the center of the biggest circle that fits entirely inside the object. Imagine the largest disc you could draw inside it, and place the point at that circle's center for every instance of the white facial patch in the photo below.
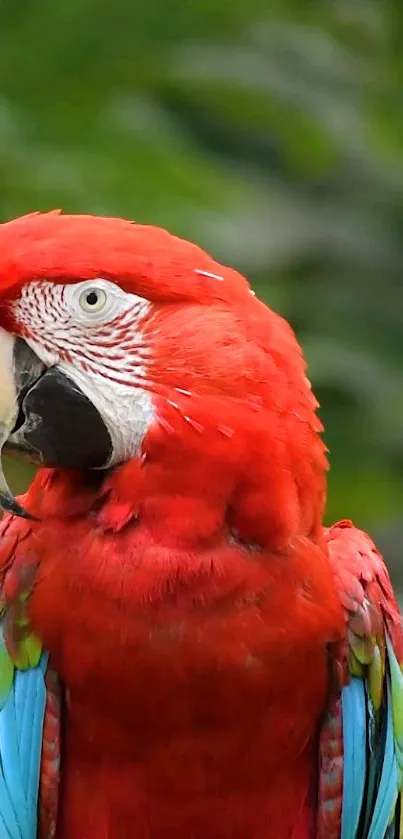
(92, 330)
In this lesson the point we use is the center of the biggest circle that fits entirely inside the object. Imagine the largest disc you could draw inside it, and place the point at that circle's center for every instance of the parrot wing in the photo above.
(361, 742)
(29, 702)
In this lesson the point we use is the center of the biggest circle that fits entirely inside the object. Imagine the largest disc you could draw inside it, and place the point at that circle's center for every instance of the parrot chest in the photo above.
(191, 750)
(186, 709)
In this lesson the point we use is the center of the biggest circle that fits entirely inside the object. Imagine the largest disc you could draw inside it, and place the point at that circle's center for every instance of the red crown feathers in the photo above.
(143, 259)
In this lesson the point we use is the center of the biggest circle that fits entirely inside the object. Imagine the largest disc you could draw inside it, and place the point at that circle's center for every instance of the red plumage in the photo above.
(187, 598)
(186, 669)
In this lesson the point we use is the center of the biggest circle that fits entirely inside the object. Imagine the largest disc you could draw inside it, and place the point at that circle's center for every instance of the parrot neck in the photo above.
(179, 505)
(211, 467)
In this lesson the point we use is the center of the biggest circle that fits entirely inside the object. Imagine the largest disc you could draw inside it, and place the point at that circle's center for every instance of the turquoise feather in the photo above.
(388, 785)
(11, 769)
(21, 728)
(354, 741)
(373, 756)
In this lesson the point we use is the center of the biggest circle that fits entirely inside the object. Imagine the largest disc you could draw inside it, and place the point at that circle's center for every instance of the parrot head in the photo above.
(120, 341)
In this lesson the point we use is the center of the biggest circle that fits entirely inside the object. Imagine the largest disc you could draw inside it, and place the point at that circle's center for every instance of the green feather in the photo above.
(375, 678)
(363, 648)
(396, 677)
(355, 666)
(6, 673)
(29, 653)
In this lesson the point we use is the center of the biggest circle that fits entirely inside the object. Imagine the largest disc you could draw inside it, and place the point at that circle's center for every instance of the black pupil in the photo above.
(92, 298)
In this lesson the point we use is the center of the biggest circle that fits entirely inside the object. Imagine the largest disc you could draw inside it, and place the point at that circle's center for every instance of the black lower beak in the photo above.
(55, 424)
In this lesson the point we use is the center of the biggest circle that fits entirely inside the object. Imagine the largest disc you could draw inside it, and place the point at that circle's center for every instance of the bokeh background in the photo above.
(271, 133)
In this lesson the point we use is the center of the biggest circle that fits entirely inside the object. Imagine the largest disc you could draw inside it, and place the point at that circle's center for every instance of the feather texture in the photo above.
(198, 572)
(368, 666)
(21, 727)
(355, 758)
(27, 687)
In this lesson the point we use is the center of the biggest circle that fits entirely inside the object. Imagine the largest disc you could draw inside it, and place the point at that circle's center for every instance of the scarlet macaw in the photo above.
(186, 651)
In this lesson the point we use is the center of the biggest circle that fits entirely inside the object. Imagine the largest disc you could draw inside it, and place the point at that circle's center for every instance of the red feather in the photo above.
(187, 599)
(188, 699)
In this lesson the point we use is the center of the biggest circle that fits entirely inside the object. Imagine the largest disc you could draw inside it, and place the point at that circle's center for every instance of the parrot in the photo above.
(186, 649)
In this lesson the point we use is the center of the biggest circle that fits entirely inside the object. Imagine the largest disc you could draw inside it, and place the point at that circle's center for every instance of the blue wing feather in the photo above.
(10, 763)
(354, 767)
(23, 689)
(34, 763)
(362, 733)
(387, 792)
(21, 728)
(361, 762)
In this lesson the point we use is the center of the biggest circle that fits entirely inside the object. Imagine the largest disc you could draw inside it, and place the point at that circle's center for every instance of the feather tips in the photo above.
(27, 706)
(29, 744)
(21, 725)
(354, 764)
(371, 735)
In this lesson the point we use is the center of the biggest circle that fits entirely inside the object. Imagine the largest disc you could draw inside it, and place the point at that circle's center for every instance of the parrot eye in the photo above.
(92, 300)
(92, 303)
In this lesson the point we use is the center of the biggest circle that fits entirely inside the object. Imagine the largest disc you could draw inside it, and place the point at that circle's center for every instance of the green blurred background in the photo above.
(271, 134)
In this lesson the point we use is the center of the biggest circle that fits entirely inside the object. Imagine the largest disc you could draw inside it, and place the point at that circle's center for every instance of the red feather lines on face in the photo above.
(114, 350)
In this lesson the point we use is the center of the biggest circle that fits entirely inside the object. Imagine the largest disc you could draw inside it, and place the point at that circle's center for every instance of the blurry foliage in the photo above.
(270, 133)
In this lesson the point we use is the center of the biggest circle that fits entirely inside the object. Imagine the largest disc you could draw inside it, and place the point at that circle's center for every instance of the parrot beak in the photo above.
(15, 380)
(45, 418)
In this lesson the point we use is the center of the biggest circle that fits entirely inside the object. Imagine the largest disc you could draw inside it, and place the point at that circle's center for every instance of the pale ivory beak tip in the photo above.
(8, 417)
